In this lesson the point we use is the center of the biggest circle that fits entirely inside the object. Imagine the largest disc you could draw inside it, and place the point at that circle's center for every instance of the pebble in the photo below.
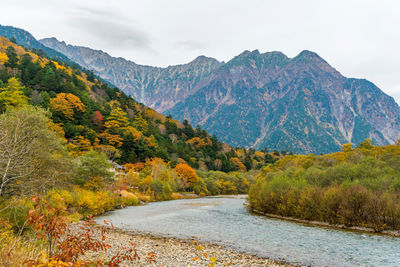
(173, 251)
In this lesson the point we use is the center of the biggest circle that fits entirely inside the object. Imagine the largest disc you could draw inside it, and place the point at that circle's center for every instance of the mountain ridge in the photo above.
(301, 104)
(131, 75)
(26, 39)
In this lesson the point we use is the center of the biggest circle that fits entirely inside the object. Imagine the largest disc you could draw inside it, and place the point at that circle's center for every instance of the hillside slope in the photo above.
(258, 100)
(302, 104)
(93, 116)
(26, 39)
(159, 88)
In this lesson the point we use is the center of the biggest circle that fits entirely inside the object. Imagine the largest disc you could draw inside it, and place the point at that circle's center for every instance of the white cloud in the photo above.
(358, 37)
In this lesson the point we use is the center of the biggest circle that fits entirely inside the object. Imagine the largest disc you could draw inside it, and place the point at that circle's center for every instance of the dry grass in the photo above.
(16, 252)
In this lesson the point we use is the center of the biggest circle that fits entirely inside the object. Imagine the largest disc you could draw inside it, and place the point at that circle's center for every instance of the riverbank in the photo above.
(174, 251)
(327, 225)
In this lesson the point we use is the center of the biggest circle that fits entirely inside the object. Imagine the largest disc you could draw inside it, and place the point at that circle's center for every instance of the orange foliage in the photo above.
(129, 167)
(199, 142)
(67, 104)
(65, 247)
(238, 164)
(138, 166)
(135, 133)
(187, 175)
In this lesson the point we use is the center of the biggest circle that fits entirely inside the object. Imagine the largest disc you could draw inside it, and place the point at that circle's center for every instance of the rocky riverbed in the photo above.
(175, 252)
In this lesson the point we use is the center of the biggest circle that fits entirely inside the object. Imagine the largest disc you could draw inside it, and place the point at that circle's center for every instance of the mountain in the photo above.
(159, 88)
(300, 104)
(27, 40)
(92, 115)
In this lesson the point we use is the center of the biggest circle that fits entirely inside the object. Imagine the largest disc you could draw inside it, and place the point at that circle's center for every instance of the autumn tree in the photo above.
(140, 123)
(32, 156)
(239, 165)
(199, 142)
(79, 145)
(92, 165)
(12, 57)
(3, 58)
(187, 176)
(98, 119)
(366, 144)
(67, 104)
(347, 147)
(116, 121)
(12, 95)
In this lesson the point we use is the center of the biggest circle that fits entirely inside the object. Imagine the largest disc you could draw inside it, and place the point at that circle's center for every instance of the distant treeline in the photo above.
(356, 187)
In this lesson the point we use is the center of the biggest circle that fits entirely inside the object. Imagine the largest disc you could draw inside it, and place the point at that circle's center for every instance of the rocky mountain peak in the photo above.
(258, 99)
(307, 55)
(311, 61)
(204, 59)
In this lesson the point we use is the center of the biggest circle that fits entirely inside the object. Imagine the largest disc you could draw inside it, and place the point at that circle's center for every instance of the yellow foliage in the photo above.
(240, 152)
(225, 187)
(57, 128)
(12, 95)
(145, 183)
(238, 164)
(152, 114)
(4, 43)
(199, 142)
(177, 196)
(3, 58)
(90, 202)
(59, 198)
(79, 145)
(6, 233)
(135, 133)
(128, 198)
(143, 197)
(95, 183)
(259, 155)
(110, 151)
(116, 120)
(67, 104)
(347, 147)
(112, 139)
(131, 179)
(151, 141)
(128, 167)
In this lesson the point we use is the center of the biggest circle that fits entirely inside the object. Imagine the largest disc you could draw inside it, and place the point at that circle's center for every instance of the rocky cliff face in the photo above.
(301, 104)
(159, 88)
(257, 99)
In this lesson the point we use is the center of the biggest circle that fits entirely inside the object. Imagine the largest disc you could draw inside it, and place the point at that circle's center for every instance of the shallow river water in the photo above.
(226, 221)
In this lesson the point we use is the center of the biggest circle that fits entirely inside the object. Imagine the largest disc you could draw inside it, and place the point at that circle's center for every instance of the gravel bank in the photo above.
(177, 252)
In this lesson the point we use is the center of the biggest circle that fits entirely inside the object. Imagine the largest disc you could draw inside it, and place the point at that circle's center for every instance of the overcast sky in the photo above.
(361, 39)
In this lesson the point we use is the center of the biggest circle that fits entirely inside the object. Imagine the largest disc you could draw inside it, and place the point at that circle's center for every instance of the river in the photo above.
(225, 220)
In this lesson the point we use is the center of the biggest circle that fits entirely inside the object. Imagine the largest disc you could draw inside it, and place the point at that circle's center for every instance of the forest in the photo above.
(355, 187)
(72, 146)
